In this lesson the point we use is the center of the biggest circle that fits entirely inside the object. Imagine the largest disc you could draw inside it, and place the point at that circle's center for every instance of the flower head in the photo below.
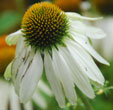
(58, 43)
(44, 26)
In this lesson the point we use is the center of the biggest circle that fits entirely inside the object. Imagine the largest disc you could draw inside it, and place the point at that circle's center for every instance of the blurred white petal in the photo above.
(39, 100)
(106, 45)
(4, 95)
(42, 86)
(14, 101)
(28, 106)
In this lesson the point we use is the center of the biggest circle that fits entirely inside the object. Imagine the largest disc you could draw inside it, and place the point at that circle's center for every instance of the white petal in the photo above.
(14, 101)
(39, 100)
(42, 86)
(76, 16)
(23, 69)
(86, 63)
(86, 30)
(31, 78)
(13, 38)
(94, 32)
(20, 46)
(79, 77)
(28, 106)
(54, 82)
(106, 44)
(17, 63)
(7, 73)
(85, 43)
(4, 95)
(64, 74)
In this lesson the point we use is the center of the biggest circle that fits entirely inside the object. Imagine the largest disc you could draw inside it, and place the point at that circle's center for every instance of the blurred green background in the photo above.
(11, 13)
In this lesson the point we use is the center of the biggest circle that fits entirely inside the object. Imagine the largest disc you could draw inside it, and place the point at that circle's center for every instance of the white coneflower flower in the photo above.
(9, 99)
(56, 42)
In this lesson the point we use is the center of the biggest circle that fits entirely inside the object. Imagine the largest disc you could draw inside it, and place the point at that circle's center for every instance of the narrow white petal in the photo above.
(75, 16)
(13, 38)
(39, 100)
(79, 77)
(17, 63)
(85, 43)
(63, 72)
(42, 86)
(28, 106)
(86, 62)
(20, 46)
(4, 95)
(86, 30)
(31, 78)
(14, 101)
(23, 69)
(54, 82)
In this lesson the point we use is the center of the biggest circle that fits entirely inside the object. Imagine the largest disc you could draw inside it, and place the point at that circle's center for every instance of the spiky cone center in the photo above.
(44, 26)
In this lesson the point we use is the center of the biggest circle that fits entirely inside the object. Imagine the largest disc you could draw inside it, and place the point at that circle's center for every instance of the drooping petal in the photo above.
(86, 62)
(12, 39)
(31, 78)
(23, 69)
(86, 30)
(63, 73)
(80, 79)
(83, 41)
(54, 81)
(19, 56)
(17, 63)
(75, 16)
